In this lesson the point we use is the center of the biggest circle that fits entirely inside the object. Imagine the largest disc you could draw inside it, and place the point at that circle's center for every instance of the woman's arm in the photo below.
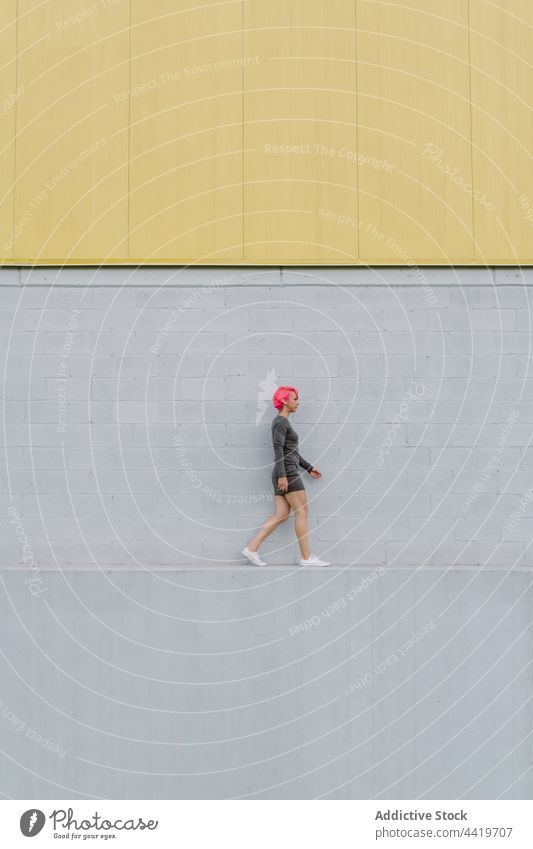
(278, 438)
(304, 464)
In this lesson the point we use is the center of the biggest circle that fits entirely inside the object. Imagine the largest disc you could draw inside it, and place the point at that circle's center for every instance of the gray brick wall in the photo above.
(154, 447)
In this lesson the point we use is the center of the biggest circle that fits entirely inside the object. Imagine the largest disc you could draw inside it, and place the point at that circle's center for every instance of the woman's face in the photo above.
(292, 403)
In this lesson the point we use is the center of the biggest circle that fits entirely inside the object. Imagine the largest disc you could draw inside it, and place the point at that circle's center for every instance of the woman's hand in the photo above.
(315, 473)
(283, 484)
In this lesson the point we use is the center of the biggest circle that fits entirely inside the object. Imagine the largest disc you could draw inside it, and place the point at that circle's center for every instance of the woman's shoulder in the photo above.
(283, 420)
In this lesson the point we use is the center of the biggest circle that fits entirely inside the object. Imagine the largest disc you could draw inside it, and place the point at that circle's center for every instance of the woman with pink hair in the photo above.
(289, 489)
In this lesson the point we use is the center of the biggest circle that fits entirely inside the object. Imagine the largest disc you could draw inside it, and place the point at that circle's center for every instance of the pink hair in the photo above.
(282, 394)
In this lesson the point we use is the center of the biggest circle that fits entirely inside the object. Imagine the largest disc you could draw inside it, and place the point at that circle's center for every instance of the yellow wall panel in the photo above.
(186, 131)
(413, 112)
(72, 135)
(9, 94)
(502, 128)
(387, 132)
(300, 165)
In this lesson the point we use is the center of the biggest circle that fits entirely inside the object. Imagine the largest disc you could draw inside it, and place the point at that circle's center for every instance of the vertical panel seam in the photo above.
(356, 252)
(15, 133)
(242, 129)
(474, 252)
(128, 246)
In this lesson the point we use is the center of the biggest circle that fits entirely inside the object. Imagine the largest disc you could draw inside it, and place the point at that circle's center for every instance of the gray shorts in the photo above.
(294, 479)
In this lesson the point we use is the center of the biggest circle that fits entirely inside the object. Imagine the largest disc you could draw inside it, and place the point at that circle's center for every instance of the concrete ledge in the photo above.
(401, 567)
(230, 683)
(182, 276)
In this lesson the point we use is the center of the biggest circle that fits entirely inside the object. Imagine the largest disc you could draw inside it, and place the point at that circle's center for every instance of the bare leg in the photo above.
(282, 513)
(298, 502)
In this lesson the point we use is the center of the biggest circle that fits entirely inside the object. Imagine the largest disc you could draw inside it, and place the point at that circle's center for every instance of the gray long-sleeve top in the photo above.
(285, 442)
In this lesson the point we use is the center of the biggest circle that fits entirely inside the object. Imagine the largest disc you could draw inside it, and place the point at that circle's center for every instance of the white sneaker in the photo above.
(313, 561)
(253, 557)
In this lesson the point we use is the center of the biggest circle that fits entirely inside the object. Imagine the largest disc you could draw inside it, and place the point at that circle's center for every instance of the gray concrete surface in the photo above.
(140, 660)
(385, 683)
